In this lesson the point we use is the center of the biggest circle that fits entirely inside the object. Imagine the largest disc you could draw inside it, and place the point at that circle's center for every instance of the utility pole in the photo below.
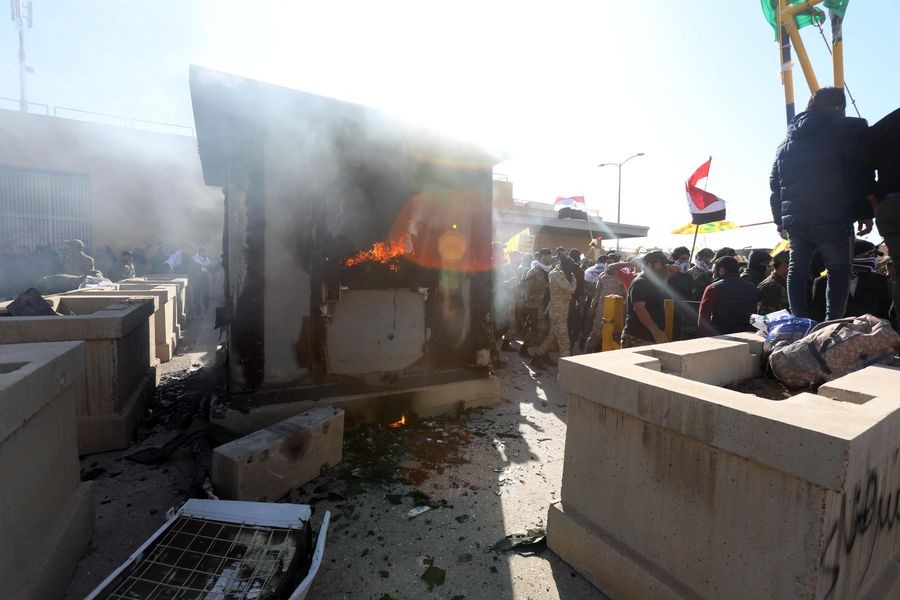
(619, 196)
(22, 15)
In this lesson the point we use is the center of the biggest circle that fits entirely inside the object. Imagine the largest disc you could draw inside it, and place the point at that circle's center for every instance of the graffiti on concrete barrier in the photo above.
(869, 512)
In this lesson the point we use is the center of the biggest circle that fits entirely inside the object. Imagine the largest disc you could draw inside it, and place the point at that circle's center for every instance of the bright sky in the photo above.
(557, 86)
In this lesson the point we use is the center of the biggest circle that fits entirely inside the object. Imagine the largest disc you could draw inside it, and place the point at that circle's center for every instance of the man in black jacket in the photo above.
(727, 302)
(819, 188)
(884, 145)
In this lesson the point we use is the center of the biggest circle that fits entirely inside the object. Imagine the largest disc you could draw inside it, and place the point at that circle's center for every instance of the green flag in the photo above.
(814, 16)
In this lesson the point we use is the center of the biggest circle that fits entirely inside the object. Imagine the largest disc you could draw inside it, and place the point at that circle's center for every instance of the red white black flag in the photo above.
(705, 207)
(572, 207)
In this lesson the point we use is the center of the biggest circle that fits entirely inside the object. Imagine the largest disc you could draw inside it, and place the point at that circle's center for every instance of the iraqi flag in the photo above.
(572, 207)
(705, 207)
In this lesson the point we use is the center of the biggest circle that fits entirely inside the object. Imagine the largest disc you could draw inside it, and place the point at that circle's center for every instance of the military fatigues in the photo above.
(121, 271)
(561, 290)
(77, 264)
(607, 285)
(772, 295)
(536, 281)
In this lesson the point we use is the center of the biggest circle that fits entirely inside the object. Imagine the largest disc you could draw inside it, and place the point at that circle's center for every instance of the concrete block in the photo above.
(165, 332)
(267, 464)
(96, 300)
(181, 285)
(674, 487)
(46, 512)
(386, 405)
(119, 373)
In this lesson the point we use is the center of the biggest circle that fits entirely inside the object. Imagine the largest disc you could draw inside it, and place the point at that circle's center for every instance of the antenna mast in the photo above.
(22, 15)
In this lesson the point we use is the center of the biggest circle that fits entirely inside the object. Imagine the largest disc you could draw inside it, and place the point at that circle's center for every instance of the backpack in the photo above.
(834, 349)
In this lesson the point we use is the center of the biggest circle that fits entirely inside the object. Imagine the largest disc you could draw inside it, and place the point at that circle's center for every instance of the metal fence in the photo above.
(76, 114)
(43, 207)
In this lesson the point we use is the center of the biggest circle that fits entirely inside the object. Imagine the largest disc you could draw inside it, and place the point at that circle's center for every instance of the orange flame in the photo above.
(381, 252)
(399, 423)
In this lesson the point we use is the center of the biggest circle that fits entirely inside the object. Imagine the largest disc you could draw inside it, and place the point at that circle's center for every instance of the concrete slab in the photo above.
(676, 487)
(165, 331)
(119, 373)
(46, 512)
(388, 405)
(267, 464)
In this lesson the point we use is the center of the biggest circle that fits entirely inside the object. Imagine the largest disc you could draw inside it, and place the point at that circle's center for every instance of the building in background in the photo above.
(107, 185)
(545, 229)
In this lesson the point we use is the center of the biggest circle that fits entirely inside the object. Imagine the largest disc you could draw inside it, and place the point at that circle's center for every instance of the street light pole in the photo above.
(619, 195)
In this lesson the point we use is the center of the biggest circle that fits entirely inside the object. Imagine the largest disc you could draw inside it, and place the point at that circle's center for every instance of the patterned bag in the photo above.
(834, 349)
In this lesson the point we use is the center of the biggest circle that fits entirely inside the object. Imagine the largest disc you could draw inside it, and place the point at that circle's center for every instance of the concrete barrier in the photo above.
(267, 464)
(675, 487)
(119, 372)
(181, 284)
(166, 333)
(46, 512)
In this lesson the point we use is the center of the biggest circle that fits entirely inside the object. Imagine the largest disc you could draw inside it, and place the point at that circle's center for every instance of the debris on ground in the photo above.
(764, 387)
(434, 576)
(532, 541)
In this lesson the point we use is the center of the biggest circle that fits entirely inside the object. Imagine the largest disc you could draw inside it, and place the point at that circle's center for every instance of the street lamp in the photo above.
(619, 200)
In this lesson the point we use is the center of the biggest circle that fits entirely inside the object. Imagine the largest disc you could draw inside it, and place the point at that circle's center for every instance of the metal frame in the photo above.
(789, 34)
(258, 515)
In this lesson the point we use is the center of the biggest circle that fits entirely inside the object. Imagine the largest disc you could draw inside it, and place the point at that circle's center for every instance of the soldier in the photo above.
(562, 286)
(773, 289)
(536, 285)
(76, 262)
(607, 285)
(124, 269)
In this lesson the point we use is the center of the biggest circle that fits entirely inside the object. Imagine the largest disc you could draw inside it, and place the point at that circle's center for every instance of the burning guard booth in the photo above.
(356, 250)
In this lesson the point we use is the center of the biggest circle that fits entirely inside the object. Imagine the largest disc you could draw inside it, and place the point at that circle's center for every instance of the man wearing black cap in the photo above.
(773, 289)
(76, 262)
(728, 302)
(124, 269)
(757, 267)
(870, 292)
(645, 316)
(701, 272)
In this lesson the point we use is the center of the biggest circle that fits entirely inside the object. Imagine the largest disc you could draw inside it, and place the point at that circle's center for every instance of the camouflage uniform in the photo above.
(536, 282)
(561, 290)
(77, 264)
(121, 271)
(607, 285)
(772, 295)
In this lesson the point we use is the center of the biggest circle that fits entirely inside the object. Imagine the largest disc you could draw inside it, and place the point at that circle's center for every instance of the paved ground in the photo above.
(488, 473)
(484, 474)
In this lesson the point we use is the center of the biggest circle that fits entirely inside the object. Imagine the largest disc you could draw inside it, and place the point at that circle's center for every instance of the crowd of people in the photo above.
(553, 300)
(831, 171)
(52, 270)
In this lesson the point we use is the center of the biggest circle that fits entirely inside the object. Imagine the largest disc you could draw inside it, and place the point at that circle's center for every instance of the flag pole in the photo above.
(694, 243)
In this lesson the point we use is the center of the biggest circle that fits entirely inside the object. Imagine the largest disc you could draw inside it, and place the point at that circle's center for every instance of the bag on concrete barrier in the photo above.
(786, 331)
(834, 349)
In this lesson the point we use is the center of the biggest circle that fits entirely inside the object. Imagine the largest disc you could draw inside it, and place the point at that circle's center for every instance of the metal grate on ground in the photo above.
(200, 558)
